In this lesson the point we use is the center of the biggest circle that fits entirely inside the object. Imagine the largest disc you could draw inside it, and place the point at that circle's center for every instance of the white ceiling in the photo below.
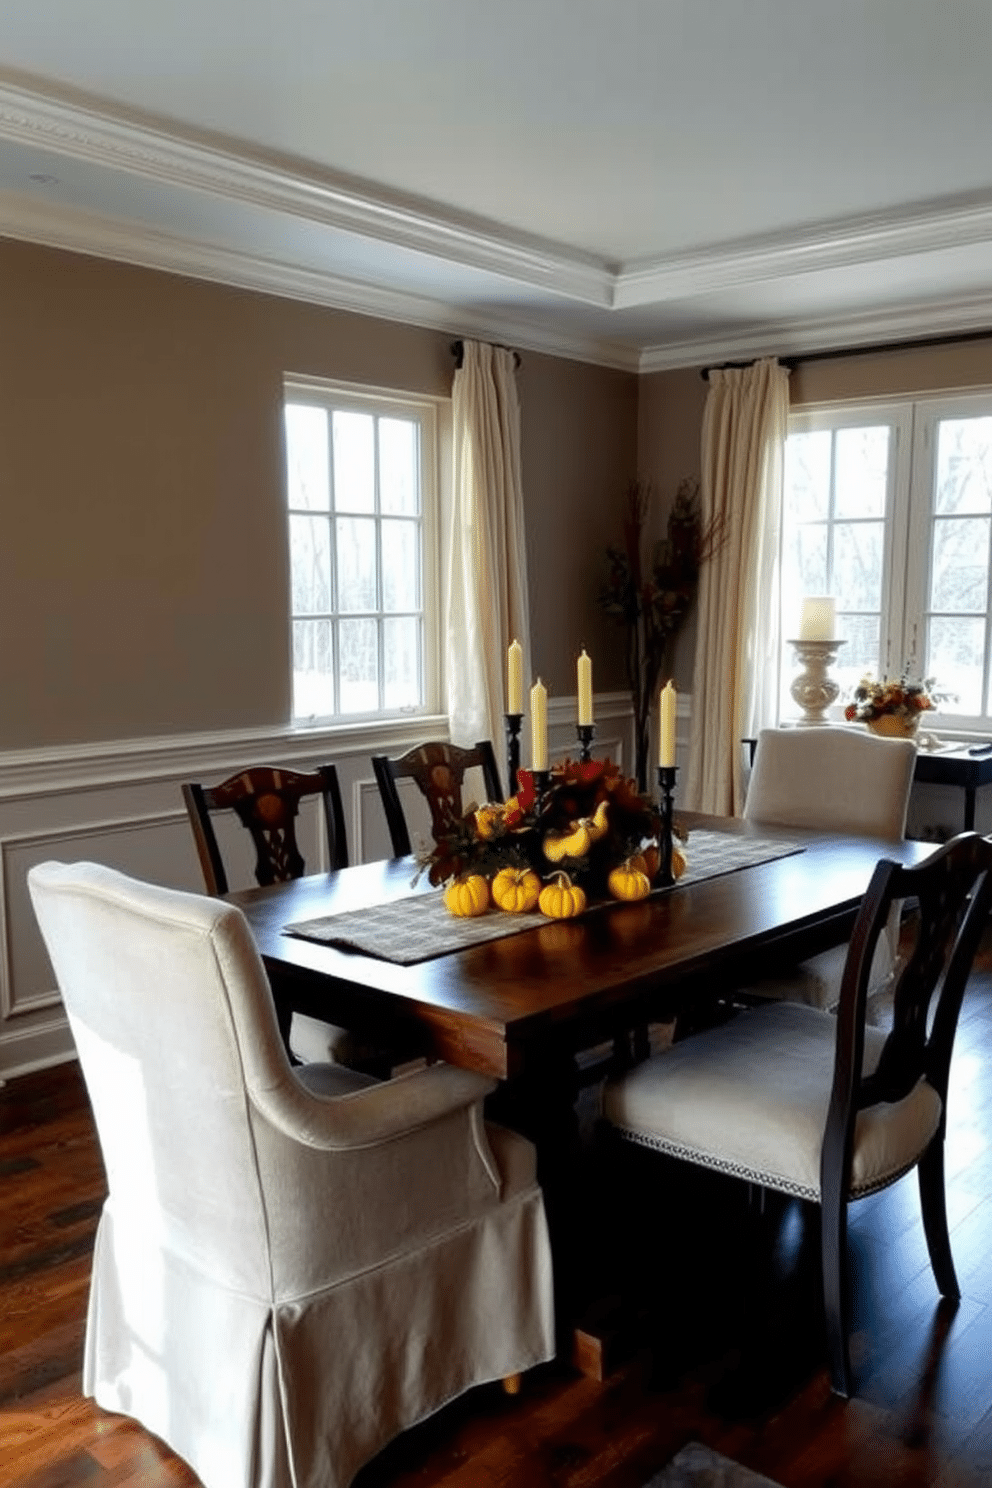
(646, 183)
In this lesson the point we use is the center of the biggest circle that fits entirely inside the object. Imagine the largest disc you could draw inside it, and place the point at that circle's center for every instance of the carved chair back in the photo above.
(951, 892)
(266, 801)
(439, 771)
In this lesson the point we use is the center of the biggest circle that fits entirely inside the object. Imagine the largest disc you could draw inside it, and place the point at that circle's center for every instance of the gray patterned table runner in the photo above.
(418, 927)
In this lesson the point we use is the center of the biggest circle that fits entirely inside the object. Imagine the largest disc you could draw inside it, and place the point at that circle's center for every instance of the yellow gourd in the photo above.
(576, 842)
(679, 862)
(571, 844)
(561, 899)
(597, 823)
(628, 882)
(467, 896)
(486, 819)
(516, 889)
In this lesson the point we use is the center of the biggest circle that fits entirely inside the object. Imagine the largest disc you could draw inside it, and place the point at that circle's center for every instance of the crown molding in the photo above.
(25, 218)
(119, 142)
(52, 226)
(72, 126)
(908, 322)
(833, 245)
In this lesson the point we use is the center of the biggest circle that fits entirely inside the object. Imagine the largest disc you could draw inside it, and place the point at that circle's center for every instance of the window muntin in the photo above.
(838, 533)
(360, 476)
(956, 610)
(889, 508)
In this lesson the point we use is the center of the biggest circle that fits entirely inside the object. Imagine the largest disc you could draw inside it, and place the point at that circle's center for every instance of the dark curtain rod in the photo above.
(458, 352)
(920, 344)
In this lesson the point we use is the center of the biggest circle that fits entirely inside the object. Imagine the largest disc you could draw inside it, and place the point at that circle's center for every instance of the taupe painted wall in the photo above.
(579, 451)
(143, 569)
(670, 417)
(963, 364)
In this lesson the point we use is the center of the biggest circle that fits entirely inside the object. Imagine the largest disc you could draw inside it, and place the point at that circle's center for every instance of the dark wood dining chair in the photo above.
(829, 1109)
(266, 800)
(438, 769)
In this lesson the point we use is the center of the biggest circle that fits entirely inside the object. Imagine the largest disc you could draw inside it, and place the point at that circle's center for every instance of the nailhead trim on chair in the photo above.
(752, 1175)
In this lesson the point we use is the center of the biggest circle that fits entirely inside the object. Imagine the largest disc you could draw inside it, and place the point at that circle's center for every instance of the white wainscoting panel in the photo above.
(120, 803)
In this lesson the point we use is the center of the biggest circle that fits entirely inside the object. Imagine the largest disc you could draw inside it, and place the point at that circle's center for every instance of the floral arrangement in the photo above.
(589, 823)
(652, 597)
(901, 699)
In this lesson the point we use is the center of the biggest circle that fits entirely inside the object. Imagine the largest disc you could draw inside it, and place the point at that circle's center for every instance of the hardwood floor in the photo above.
(732, 1313)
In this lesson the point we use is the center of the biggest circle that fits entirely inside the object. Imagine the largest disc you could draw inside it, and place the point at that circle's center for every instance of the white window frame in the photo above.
(388, 402)
(909, 530)
(929, 412)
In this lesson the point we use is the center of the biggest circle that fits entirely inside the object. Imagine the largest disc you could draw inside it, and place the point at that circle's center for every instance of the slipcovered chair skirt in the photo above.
(292, 1266)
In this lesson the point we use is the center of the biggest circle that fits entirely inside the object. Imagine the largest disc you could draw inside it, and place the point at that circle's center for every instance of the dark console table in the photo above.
(956, 767)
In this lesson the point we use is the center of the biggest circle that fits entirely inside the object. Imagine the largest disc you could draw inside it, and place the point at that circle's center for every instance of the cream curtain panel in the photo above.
(487, 577)
(735, 681)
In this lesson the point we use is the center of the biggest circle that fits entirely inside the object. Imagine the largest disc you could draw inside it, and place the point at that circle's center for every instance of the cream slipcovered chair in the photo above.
(292, 1265)
(832, 780)
(829, 1109)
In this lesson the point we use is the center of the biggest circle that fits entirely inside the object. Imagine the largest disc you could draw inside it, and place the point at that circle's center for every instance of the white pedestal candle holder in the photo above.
(813, 690)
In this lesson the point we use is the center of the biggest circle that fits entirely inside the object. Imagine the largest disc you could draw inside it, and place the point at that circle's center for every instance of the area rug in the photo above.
(697, 1466)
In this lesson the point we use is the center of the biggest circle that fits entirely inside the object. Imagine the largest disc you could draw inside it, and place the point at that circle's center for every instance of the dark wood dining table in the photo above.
(525, 1008)
(520, 1008)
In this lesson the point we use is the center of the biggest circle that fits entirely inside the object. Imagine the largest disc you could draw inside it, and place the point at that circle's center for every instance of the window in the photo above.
(360, 486)
(889, 508)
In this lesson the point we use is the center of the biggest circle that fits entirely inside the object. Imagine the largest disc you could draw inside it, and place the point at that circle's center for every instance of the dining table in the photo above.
(528, 1000)
(517, 1005)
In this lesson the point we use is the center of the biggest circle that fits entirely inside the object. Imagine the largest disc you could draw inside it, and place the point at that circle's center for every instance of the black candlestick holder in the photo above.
(512, 721)
(666, 784)
(542, 784)
(586, 733)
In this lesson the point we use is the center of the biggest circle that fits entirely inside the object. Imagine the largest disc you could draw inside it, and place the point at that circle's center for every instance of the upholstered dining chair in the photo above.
(438, 769)
(292, 1265)
(829, 1109)
(832, 780)
(266, 800)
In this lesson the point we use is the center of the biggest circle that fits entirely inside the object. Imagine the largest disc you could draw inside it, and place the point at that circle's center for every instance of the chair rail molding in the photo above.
(66, 768)
(118, 801)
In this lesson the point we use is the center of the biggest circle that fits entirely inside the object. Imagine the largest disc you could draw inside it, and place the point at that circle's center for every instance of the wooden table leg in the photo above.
(541, 1103)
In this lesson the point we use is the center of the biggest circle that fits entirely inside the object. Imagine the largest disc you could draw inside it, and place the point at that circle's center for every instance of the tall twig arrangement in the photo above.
(651, 598)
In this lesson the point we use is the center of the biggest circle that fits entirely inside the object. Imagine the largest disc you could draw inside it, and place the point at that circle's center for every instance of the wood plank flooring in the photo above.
(731, 1312)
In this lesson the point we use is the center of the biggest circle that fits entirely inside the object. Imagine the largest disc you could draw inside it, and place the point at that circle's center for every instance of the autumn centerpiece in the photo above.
(892, 707)
(591, 835)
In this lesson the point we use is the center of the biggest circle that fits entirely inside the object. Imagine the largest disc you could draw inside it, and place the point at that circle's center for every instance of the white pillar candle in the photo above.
(539, 726)
(584, 670)
(818, 621)
(515, 678)
(666, 725)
